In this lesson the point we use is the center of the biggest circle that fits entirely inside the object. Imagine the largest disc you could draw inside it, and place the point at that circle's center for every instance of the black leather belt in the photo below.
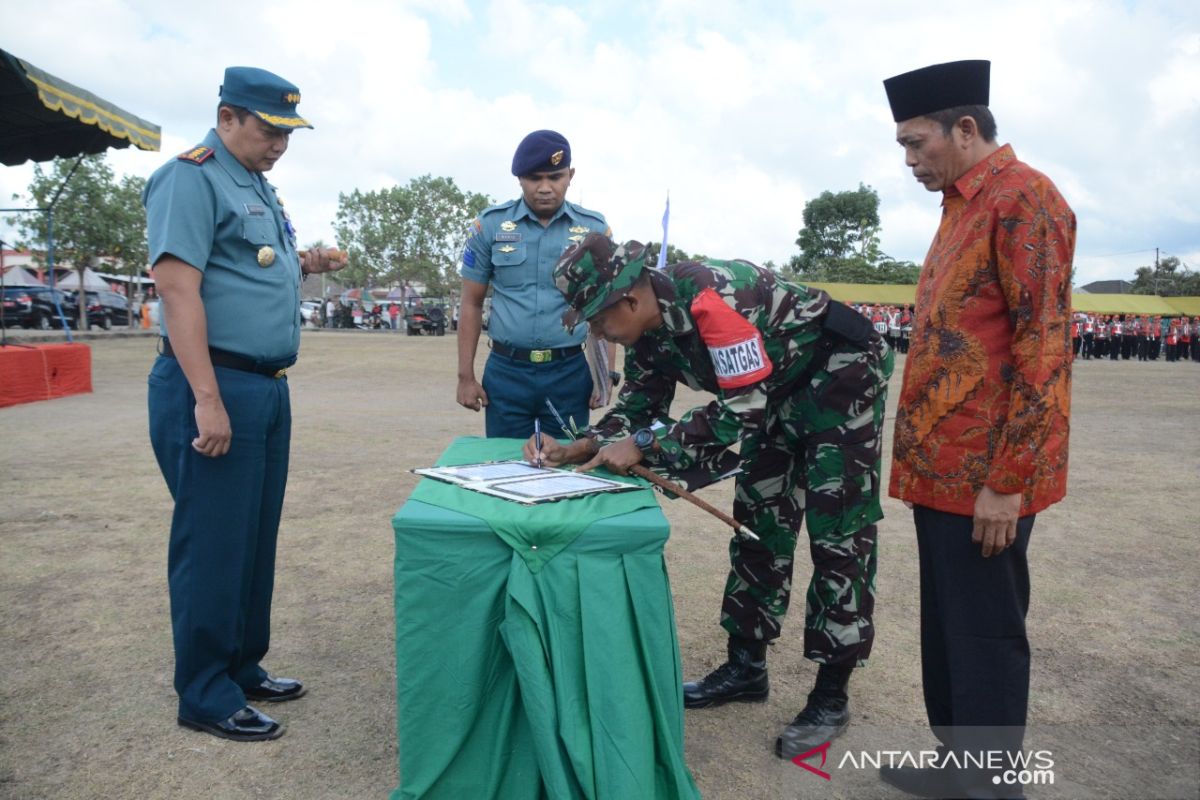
(537, 356)
(224, 358)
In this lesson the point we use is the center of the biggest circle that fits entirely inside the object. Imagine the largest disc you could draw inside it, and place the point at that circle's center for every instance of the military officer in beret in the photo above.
(984, 414)
(228, 272)
(513, 248)
(800, 382)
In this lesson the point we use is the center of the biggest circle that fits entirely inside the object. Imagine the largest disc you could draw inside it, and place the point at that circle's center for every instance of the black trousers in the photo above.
(974, 652)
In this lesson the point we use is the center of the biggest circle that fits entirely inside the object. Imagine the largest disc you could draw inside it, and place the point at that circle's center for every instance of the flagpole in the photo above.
(666, 219)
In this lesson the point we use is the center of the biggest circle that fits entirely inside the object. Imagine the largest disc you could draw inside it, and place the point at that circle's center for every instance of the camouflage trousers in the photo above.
(816, 458)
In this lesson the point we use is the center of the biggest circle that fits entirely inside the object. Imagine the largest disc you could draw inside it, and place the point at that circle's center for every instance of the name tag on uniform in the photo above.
(738, 360)
(255, 210)
(739, 357)
(508, 237)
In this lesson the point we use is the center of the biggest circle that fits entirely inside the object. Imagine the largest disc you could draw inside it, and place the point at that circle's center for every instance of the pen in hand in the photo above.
(537, 439)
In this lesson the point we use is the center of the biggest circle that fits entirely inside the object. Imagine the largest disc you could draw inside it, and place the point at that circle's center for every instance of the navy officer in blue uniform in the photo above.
(228, 273)
(513, 247)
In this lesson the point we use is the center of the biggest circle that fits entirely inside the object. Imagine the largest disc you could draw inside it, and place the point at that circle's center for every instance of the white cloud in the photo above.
(741, 110)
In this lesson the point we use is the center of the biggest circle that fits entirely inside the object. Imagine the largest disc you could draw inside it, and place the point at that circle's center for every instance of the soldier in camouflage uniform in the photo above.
(800, 381)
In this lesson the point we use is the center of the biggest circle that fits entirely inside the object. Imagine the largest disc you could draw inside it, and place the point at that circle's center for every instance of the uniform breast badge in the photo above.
(266, 255)
(579, 229)
(508, 225)
(508, 248)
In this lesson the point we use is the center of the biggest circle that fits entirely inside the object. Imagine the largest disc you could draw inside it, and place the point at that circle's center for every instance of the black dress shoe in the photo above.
(742, 678)
(247, 725)
(276, 690)
(823, 719)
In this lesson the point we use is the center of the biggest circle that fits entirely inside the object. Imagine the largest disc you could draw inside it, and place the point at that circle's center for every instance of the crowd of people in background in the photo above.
(1115, 337)
(1128, 336)
(893, 323)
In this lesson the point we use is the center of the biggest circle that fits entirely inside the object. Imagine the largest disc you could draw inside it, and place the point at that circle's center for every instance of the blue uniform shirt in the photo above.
(217, 216)
(509, 248)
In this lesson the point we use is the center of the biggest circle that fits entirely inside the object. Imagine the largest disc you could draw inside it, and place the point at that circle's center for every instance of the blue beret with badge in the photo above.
(541, 151)
(265, 95)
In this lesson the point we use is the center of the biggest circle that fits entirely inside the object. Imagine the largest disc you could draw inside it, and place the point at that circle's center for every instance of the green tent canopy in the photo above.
(893, 294)
(884, 294)
(1139, 304)
(45, 117)
(1184, 305)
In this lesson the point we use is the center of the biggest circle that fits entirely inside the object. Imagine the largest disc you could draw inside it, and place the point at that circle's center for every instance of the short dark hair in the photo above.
(239, 112)
(982, 115)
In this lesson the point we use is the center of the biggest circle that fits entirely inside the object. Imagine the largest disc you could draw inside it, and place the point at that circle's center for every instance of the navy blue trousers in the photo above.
(221, 560)
(517, 392)
(974, 651)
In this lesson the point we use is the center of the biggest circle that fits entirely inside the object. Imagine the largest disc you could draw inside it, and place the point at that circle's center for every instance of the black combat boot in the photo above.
(824, 718)
(743, 678)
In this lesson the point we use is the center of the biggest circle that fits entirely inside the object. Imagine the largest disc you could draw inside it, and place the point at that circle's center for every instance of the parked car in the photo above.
(34, 307)
(104, 308)
(310, 313)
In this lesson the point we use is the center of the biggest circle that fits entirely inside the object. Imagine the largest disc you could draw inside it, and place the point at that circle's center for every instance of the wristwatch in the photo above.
(614, 376)
(644, 440)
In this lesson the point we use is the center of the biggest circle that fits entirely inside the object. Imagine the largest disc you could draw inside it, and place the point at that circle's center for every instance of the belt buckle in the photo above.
(279, 373)
(540, 356)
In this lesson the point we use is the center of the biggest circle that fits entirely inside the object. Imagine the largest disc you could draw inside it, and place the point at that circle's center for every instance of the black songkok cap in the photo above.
(541, 151)
(938, 87)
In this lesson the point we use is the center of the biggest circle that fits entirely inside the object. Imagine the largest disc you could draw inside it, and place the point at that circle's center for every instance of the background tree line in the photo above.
(416, 232)
(96, 216)
(1169, 278)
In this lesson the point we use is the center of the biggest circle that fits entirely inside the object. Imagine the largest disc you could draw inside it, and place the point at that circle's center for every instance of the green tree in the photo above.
(1172, 278)
(674, 254)
(95, 216)
(840, 242)
(130, 232)
(406, 233)
(839, 227)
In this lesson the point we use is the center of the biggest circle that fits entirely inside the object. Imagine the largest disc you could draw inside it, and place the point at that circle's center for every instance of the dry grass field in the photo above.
(86, 705)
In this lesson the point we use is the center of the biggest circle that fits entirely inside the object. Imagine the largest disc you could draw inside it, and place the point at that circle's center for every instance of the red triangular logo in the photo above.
(823, 750)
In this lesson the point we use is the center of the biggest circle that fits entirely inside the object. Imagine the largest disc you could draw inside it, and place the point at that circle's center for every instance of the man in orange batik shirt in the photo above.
(981, 428)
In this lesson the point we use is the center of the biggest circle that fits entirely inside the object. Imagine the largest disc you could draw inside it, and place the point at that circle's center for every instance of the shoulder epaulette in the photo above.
(498, 207)
(586, 211)
(197, 155)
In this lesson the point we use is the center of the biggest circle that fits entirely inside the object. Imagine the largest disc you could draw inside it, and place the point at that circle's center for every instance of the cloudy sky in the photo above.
(741, 110)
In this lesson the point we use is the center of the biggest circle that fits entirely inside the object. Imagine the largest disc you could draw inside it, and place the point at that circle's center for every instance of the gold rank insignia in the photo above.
(557, 158)
(579, 229)
(508, 225)
(508, 248)
(575, 238)
(266, 255)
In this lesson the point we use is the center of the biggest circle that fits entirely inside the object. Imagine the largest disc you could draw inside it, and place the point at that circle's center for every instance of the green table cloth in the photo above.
(564, 682)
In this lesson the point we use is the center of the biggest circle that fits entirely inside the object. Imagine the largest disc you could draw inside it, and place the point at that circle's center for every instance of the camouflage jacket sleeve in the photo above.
(705, 431)
(699, 438)
(645, 398)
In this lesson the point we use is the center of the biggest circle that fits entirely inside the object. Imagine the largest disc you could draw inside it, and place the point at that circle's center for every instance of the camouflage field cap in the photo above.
(593, 274)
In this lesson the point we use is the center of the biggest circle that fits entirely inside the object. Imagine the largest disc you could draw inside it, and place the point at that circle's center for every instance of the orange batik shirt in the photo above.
(987, 383)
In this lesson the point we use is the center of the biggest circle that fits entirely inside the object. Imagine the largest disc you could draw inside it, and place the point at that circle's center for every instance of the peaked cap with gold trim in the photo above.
(265, 95)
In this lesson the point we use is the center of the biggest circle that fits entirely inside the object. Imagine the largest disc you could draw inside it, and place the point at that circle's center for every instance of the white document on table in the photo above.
(522, 482)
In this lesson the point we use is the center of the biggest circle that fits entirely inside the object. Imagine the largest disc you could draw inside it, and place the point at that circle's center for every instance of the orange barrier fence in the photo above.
(44, 371)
